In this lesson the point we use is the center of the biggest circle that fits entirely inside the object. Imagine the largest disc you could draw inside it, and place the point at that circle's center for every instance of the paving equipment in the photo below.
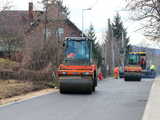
(136, 63)
(78, 71)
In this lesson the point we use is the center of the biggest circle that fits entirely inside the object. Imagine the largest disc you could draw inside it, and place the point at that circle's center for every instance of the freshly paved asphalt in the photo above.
(113, 100)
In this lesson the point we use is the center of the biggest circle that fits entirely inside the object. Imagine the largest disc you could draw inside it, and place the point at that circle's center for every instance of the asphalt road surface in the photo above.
(113, 100)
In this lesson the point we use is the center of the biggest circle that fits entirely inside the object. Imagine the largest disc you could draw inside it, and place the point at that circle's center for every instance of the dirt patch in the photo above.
(27, 96)
(9, 88)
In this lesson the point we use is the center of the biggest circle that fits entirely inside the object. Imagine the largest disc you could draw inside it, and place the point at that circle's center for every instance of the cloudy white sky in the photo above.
(101, 11)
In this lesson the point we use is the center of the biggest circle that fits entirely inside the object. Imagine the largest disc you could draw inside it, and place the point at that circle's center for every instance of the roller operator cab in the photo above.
(136, 63)
(77, 73)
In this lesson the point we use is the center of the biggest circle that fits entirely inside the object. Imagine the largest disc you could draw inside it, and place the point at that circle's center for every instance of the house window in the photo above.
(61, 31)
(47, 32)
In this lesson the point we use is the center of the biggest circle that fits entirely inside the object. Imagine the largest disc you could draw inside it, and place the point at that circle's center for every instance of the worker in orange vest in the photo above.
(116, 72)
(100, 76)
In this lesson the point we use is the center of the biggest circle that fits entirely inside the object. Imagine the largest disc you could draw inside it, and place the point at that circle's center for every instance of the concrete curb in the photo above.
(152, 110)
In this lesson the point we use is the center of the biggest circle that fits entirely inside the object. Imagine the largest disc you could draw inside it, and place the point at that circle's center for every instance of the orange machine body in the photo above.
(76, 70)
(132, 69)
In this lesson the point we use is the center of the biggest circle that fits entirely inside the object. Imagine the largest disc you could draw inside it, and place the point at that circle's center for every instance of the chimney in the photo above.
(30, 11)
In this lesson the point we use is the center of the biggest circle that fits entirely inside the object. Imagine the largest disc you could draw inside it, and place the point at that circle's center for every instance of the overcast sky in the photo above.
(101, 11)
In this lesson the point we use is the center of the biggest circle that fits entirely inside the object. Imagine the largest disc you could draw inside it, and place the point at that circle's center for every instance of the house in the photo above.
(49, 33)
(34, 28)
(12, 29)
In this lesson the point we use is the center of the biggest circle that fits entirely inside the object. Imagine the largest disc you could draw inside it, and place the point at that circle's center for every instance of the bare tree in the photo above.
(149, 11)
(108, 49)
(6, 6)
(60, 3)
(11, 43)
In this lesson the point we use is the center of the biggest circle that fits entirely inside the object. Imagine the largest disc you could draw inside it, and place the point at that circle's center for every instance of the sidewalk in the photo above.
(152, 111)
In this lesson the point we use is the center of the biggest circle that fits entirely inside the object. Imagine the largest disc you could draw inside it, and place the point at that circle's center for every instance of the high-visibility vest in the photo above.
(153, 67)
(116, 70)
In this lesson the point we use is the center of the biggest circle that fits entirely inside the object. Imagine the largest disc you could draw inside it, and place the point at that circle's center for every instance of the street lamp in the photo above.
(83, 18)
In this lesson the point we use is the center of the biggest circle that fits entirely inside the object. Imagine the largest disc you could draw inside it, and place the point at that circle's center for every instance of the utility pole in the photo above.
(110, 51)
(105, 55)
(45, 22)
(112, 47)
(123, 50)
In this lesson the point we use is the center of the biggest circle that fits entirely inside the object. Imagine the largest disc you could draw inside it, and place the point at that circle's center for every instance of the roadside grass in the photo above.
(10, 88)
(6, 63)
(23, 82)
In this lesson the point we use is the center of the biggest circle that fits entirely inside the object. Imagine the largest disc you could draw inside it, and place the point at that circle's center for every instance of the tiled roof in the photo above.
(73, 25)
(21, 17)
(17, 16)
